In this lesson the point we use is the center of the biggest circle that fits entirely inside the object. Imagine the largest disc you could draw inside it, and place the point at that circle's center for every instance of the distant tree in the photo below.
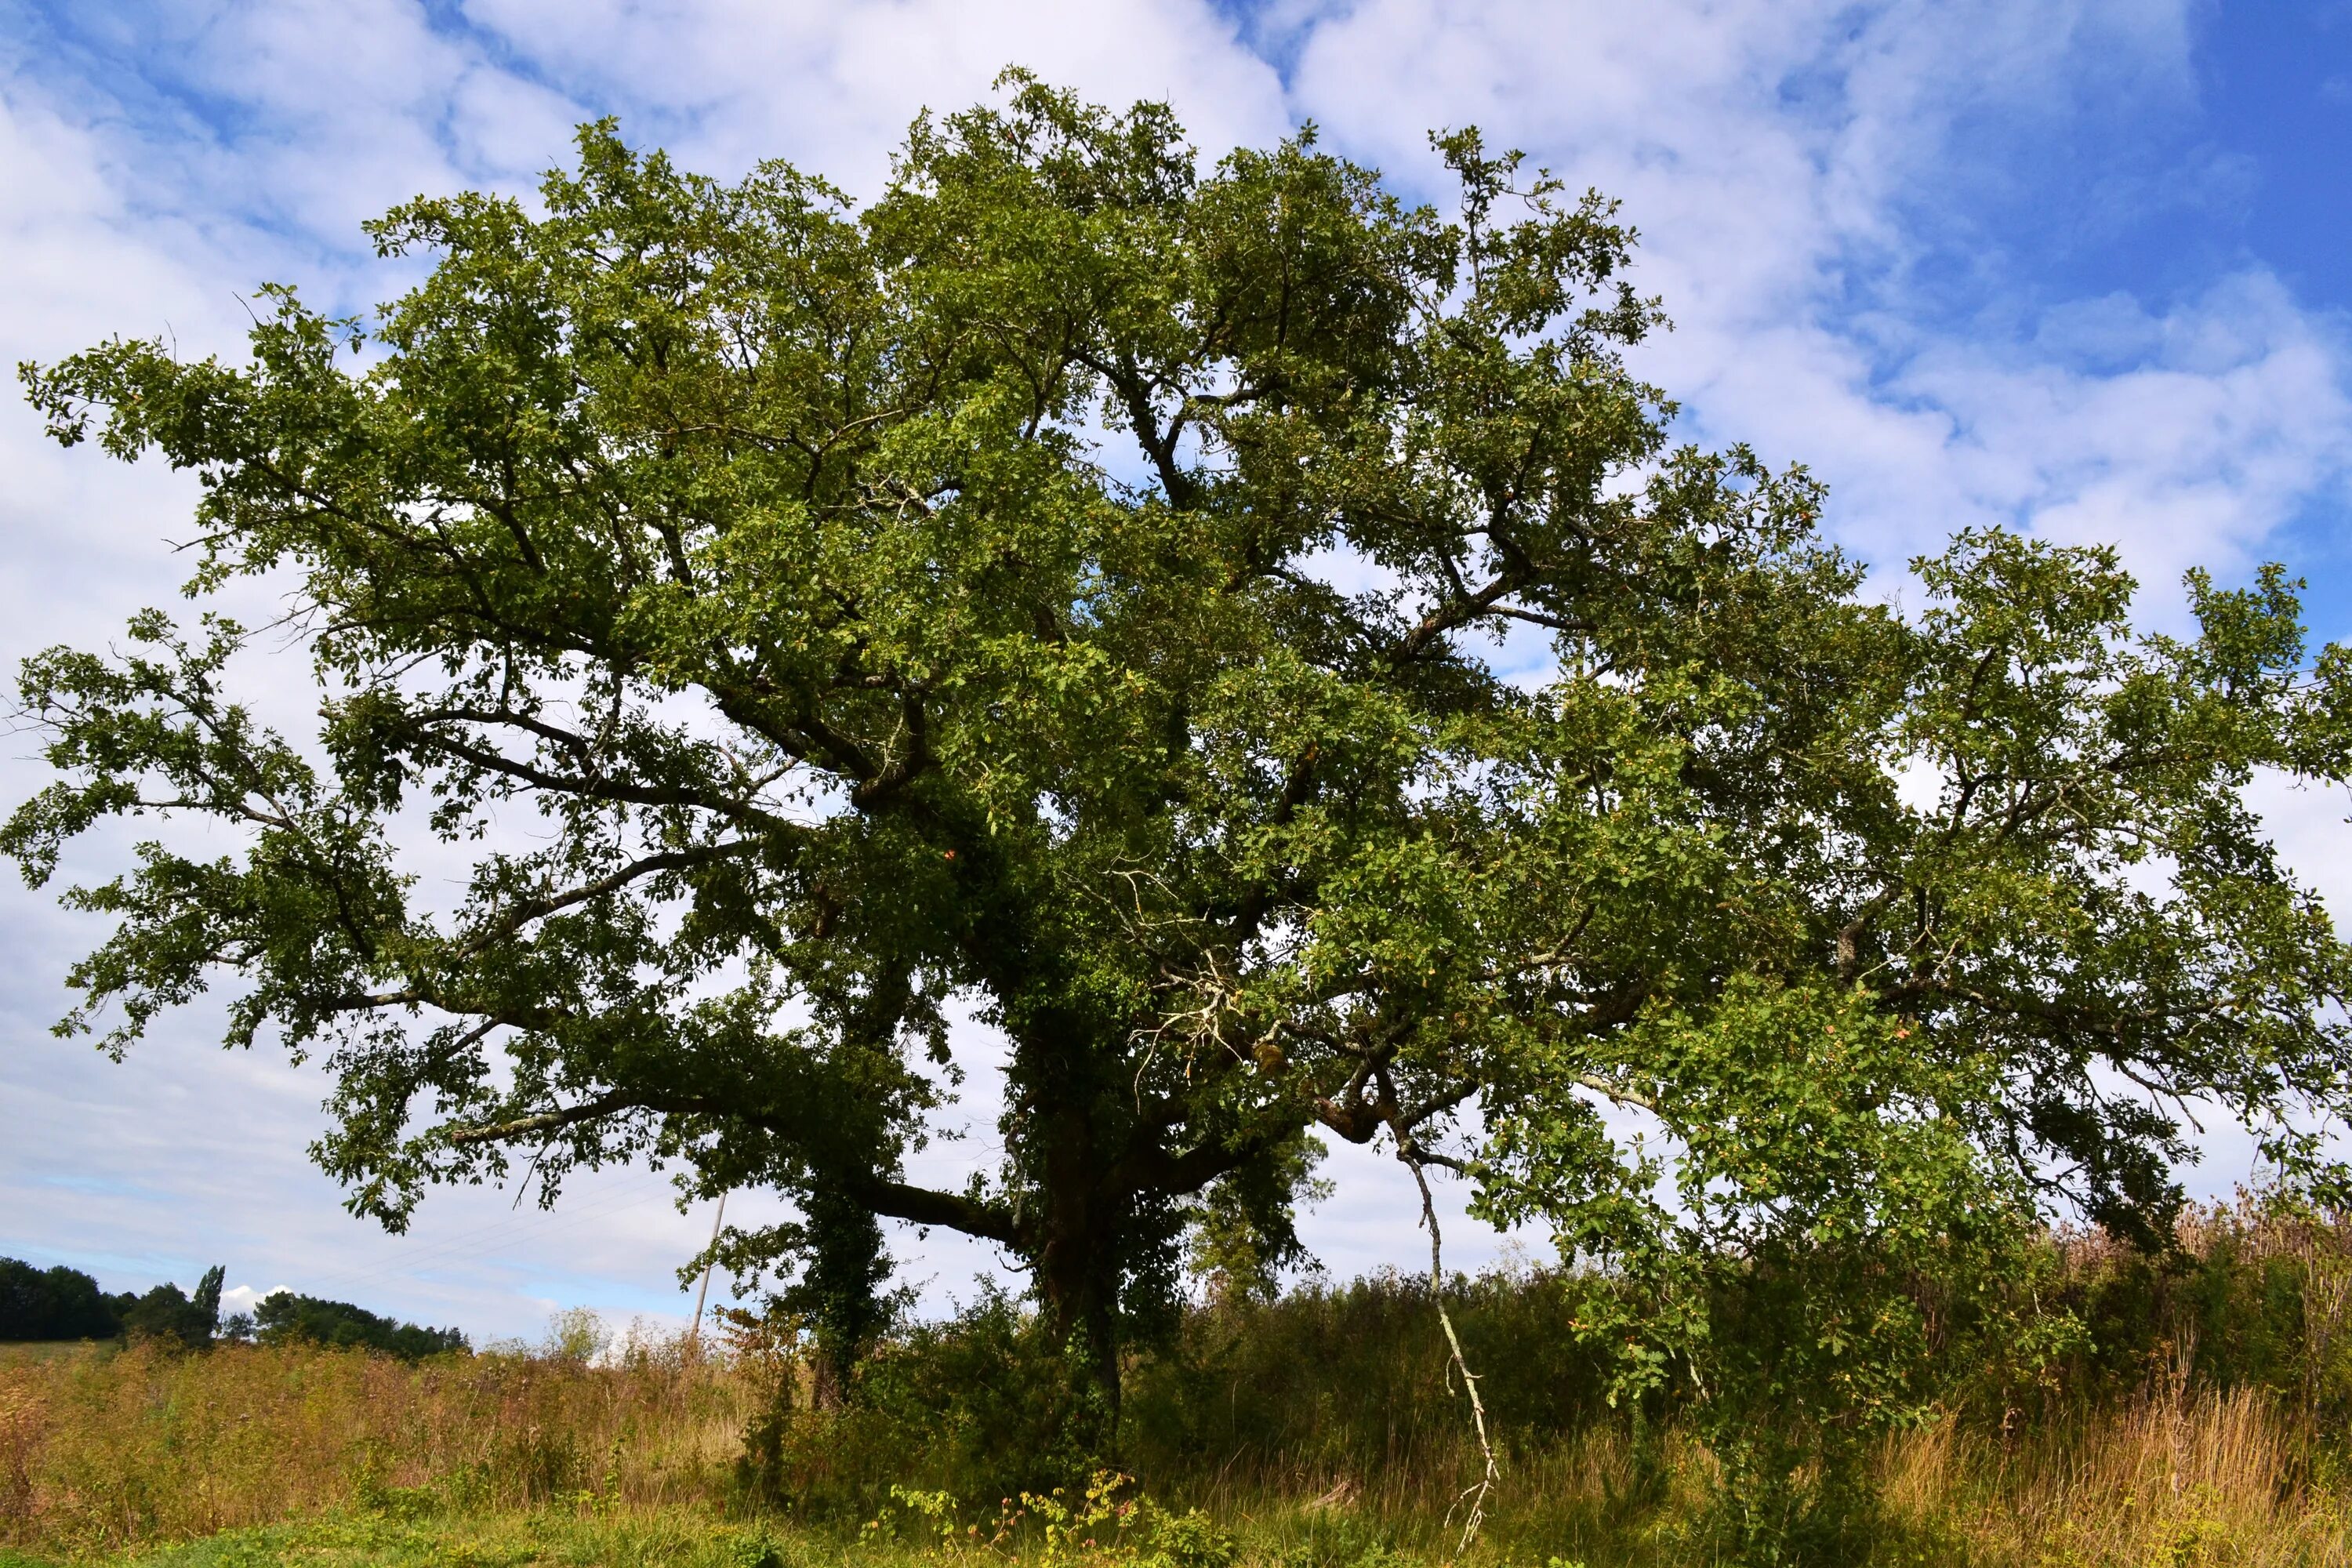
(168, 1315)
(284, 1317)
(57, 1303)
(1255, 643)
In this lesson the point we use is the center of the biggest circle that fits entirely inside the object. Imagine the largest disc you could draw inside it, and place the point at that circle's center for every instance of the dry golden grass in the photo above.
(2172, 1480)
(102, 1451)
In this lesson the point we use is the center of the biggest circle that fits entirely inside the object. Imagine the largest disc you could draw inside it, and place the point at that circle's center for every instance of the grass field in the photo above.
(2125, 1507)
(2207, 1420)
(19, 1351)
(677, 1538)
(360, 1462)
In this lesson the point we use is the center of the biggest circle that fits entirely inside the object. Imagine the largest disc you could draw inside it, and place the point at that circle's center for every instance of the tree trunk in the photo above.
(1076, 1273)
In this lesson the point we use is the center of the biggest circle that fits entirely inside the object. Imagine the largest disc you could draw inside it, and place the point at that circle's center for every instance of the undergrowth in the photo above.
(2201, 1419)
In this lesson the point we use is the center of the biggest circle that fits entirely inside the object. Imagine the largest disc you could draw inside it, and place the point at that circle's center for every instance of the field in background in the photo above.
(2205, 1423)
(108, 1449)
(525, 1462)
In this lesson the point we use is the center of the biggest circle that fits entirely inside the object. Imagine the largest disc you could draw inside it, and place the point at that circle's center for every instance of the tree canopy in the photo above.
(282, 1317)
(1255, 641)
(54, 1303)
(168, 1314)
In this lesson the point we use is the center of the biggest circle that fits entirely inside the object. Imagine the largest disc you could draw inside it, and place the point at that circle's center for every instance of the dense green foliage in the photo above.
(1346, 1388)
(64, 1304)
(1255, 642)
(57, 1303)
(283, 1317)
(172, 1314)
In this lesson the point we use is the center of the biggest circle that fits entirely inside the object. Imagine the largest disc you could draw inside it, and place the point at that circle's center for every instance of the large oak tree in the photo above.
(1250, 638)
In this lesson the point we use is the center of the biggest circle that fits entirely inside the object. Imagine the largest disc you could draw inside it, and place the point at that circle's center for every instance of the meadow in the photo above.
(2200, 1420)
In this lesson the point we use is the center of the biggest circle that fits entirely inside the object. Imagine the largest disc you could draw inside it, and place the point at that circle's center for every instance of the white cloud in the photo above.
(1788, 165)
(243, 1299)
(832, 87)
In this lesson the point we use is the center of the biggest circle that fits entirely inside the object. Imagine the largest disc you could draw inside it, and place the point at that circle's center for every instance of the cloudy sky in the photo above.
(2075, 266)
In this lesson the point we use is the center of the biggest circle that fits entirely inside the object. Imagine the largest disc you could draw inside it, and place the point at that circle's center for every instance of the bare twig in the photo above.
(1475, 1496)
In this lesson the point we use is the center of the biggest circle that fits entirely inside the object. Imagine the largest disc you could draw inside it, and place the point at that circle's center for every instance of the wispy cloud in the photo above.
(1815, 184)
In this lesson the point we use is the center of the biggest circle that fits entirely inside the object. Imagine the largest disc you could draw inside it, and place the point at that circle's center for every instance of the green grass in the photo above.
(672, 1538)
(28, 1350)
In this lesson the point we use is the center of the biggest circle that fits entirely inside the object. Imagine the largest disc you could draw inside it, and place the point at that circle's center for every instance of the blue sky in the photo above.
(2074, 266)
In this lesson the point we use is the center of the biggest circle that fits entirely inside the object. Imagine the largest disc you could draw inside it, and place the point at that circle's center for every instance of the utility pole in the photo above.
(716, 1220)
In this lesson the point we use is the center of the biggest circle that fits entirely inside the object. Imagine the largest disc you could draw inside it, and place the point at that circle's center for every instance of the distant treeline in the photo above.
(64, 1304)
(285, 1318)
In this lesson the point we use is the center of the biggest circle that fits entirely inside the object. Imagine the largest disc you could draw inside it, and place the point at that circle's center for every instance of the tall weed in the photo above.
(107, 1448)
(2204, 1414)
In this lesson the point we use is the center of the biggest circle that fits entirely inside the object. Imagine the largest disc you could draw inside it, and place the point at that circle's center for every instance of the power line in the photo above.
(482, 1238)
